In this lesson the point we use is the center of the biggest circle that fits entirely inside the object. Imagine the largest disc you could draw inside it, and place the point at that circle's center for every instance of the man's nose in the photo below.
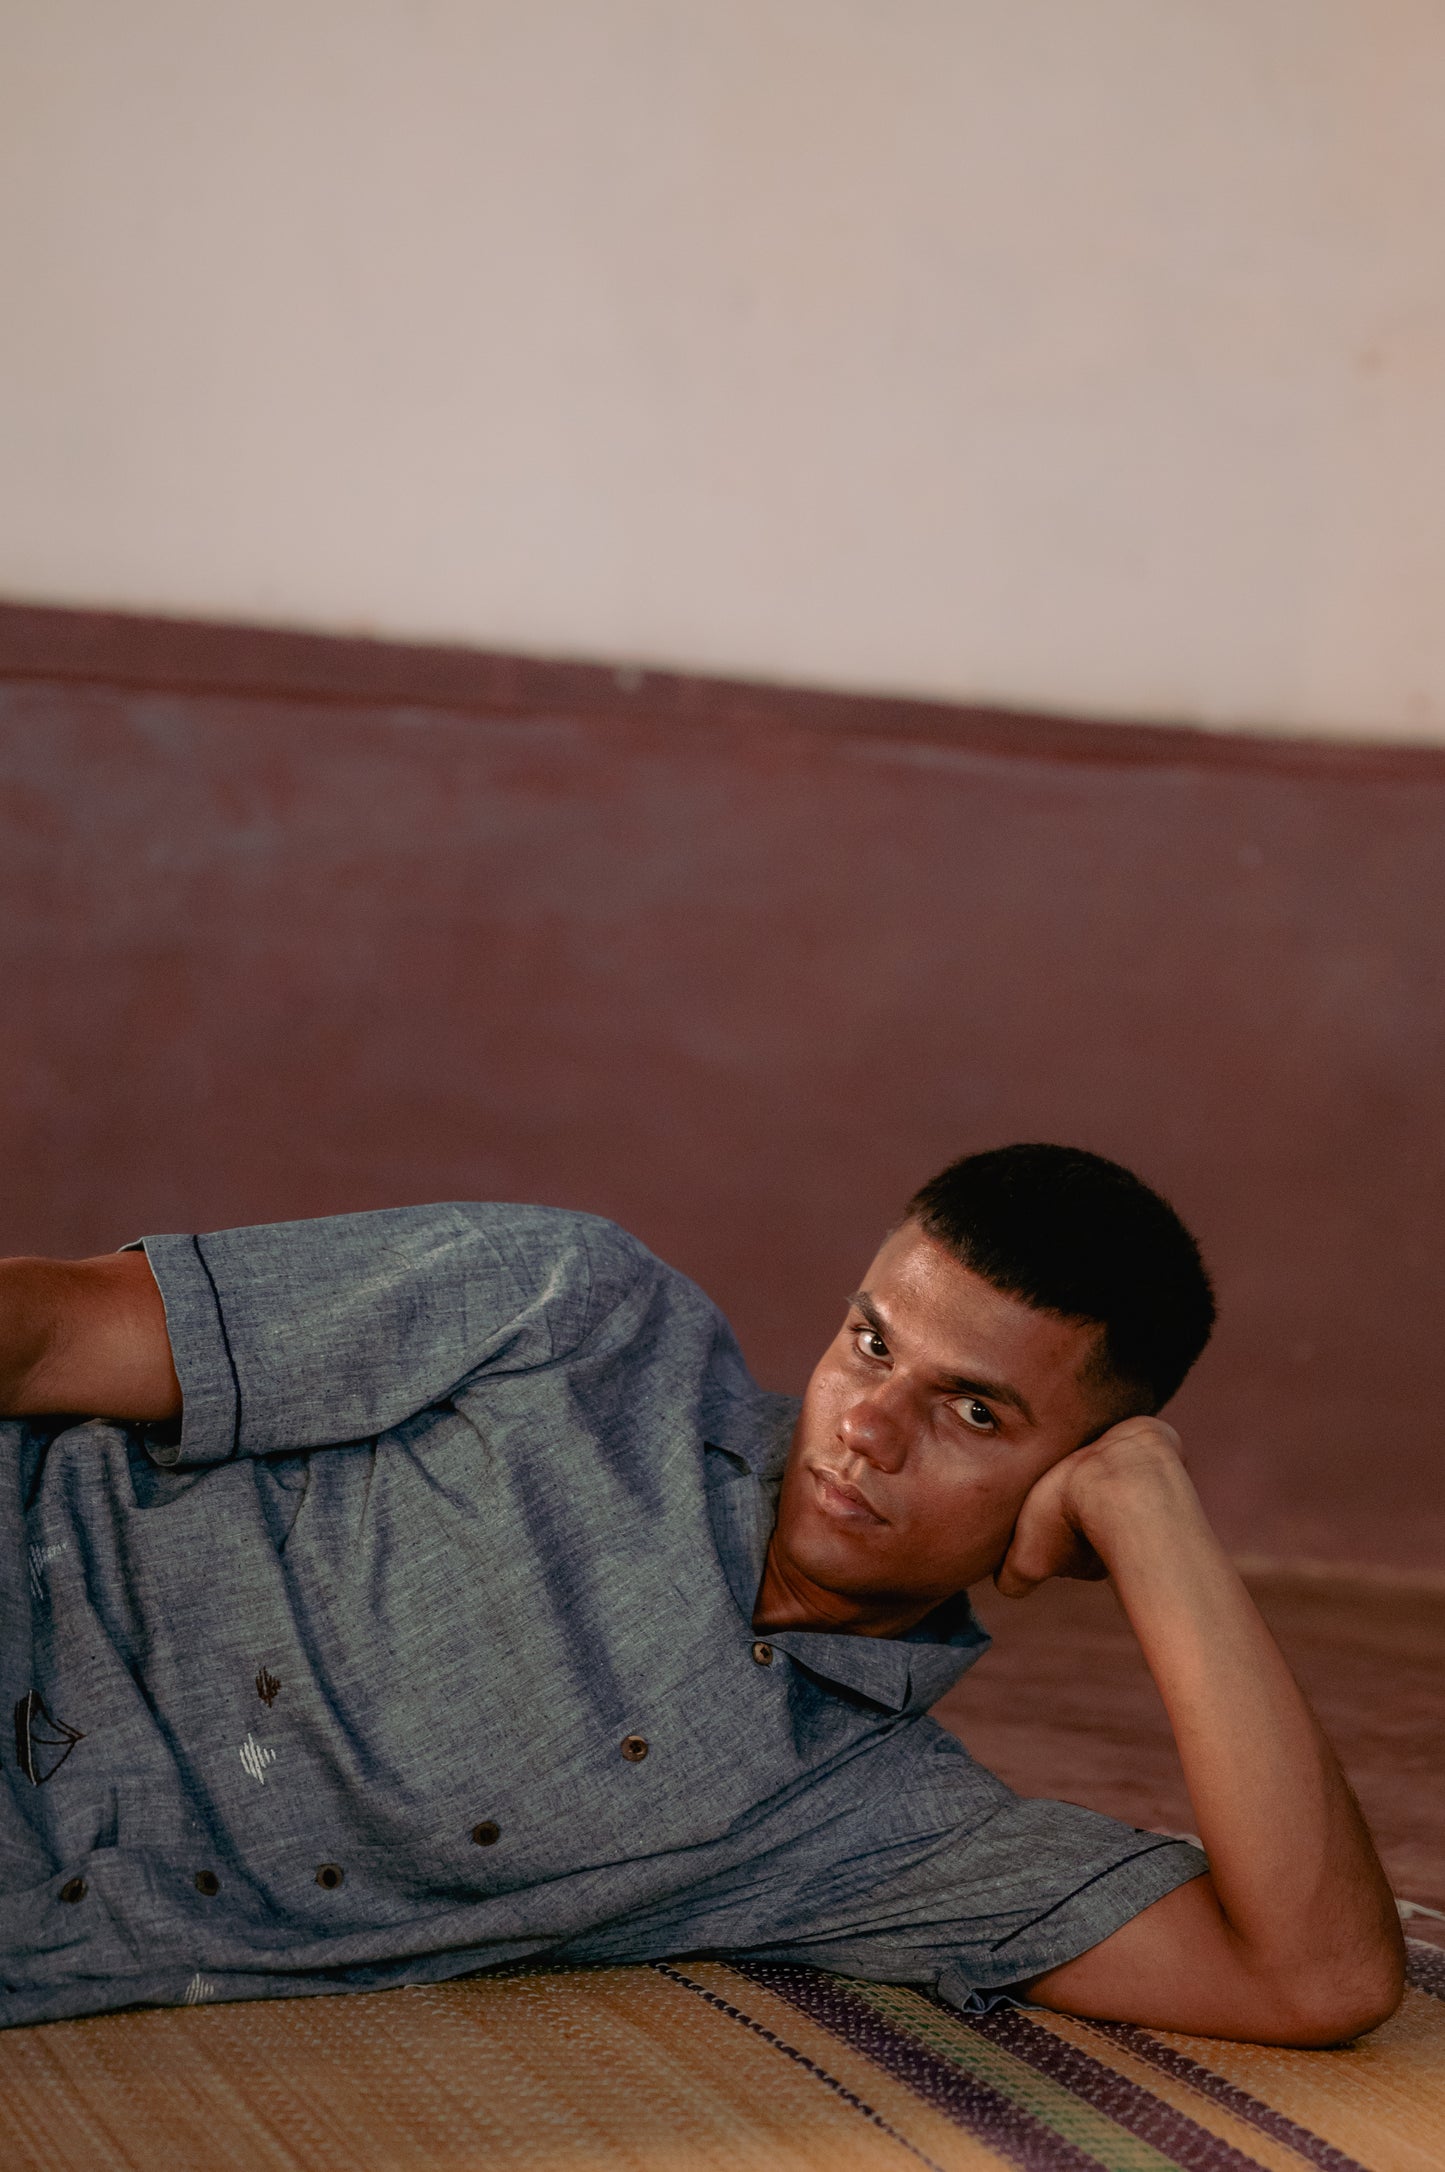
(874, 1428)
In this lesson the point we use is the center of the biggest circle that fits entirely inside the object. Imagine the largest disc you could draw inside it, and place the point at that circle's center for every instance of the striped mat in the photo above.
(702, 2067)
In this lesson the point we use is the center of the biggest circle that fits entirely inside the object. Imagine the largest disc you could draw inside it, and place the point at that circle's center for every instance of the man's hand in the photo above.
(1136, 1464)
(1293, 1936)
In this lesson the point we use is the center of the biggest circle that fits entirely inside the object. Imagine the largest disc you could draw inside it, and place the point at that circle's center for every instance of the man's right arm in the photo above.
(86, 1336)
(1292, 1936)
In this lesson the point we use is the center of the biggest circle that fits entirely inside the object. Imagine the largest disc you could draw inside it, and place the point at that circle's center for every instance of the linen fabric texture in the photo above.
(424, 1646)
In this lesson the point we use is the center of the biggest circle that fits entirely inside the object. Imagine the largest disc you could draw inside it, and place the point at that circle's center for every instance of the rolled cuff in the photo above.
(1102, 1903)
(210, 1392)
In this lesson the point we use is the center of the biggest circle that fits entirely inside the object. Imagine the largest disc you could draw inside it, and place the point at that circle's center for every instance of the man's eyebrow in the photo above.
(991, 1391)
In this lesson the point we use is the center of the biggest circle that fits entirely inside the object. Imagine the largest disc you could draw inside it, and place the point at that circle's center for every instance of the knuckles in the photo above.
(1075, 1501)
(1135, 1450)
(1140, 1437)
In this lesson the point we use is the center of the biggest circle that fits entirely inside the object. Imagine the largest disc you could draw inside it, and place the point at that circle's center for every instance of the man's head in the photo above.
(1030, 1299)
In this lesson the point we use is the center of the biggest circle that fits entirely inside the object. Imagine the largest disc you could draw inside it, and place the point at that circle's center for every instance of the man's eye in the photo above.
(870, 1342)
(976, 1415)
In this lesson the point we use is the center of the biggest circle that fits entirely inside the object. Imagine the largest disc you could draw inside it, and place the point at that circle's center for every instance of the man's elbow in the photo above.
(1335, 2004)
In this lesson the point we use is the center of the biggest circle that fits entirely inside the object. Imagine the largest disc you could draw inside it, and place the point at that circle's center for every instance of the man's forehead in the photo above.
(959, 1321)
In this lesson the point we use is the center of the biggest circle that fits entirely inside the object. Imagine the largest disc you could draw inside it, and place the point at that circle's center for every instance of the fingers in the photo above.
(1077, 1500)
(1022, 1570)
(1141, 1432)
(1039, 1550)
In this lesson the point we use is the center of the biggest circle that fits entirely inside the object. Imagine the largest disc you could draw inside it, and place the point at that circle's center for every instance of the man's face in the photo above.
(927, 1420)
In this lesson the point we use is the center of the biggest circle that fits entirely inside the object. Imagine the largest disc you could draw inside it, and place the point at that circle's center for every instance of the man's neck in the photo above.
(789, 1599)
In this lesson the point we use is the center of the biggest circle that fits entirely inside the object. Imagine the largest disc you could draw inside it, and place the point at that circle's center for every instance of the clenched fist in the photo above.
(1073, 1517)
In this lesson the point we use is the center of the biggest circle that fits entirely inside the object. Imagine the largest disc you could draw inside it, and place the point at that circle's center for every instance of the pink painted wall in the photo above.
(743, 984)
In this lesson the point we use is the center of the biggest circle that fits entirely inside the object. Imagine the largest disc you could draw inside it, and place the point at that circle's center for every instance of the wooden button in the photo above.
(763, 1653)
(487, 1834)
(208, 1883)
(634, 1749)
(74, 1889)
(330, 1876)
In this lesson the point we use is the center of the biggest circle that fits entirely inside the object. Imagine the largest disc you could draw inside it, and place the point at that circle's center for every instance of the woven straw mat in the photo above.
(696, 2066)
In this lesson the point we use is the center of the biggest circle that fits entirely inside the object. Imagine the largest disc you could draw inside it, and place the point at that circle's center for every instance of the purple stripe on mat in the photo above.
(800, 2058)
(970, 2103)
(1425, 1967)
(1311, 2147)
(1178, 2137)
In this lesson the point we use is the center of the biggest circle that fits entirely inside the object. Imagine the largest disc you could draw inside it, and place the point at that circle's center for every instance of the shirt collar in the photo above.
(902, 1674)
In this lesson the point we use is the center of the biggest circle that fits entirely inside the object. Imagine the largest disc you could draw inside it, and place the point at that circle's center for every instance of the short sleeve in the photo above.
(992, 1904)
(1089, 1876)
(298, 1335)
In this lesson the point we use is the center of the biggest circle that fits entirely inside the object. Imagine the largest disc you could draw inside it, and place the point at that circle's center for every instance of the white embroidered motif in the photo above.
(39, 1555)
(198, 1990)
(256, 1757)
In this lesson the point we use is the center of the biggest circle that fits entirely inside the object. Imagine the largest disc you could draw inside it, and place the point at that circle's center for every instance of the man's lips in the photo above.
(842, 1502)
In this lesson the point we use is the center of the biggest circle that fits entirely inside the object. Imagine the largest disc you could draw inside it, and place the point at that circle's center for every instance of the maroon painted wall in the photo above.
(360, 925)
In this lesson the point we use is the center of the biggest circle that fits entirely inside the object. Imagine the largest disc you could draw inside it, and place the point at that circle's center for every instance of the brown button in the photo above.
(634, 1749)
(74, 1889)
(208, 1883)
(763, 1653)
(330, 1875)
(487, 1834)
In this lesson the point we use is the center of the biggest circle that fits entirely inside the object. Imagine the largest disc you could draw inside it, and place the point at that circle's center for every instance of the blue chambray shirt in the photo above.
(426, 1648)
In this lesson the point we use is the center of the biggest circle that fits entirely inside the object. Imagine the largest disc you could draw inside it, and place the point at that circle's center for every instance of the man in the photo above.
(433, 1590)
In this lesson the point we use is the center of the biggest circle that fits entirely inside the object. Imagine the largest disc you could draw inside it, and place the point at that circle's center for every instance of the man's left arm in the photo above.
(1293, 1936)
(293, 1336)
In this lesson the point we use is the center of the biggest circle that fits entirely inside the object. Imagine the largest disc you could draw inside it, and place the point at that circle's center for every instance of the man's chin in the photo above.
(855, 1561)
(861, 1562)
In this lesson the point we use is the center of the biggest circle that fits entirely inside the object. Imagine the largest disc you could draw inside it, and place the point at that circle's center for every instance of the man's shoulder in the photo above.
(558, 1243)
(442, 1234)
(474, 1263)
(570, 1262)
(503, 1248)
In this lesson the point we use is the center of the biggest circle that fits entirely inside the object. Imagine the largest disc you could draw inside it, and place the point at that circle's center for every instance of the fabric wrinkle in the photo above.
(462, 1530)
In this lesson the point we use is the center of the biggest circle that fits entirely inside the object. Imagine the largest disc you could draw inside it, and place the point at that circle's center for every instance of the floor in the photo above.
(701, 2068)
(1063, 1705)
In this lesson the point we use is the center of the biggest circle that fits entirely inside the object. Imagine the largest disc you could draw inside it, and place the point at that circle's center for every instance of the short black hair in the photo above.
(1074, 1234)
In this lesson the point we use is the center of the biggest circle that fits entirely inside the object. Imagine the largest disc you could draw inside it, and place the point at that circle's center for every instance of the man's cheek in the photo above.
(975, 1528)
(816, 1419)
